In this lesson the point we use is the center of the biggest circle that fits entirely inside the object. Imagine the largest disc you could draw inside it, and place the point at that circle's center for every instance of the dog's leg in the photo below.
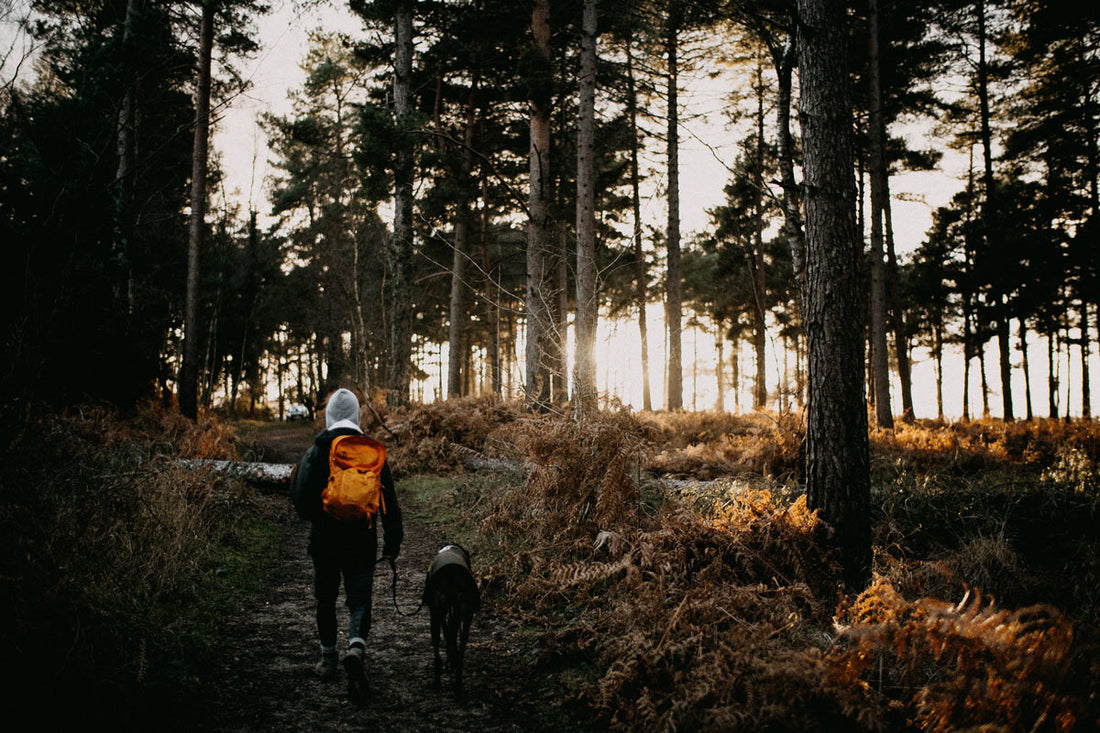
(438, 668)
(460, 653)
(450, 631)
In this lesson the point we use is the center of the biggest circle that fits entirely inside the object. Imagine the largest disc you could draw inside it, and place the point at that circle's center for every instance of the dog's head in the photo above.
(459, 549)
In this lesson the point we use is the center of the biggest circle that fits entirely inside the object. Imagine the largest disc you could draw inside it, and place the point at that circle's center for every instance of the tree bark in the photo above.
(1052, 376)
(674, 307)
(897, 308)
(989, 216)
(459, 314)
(937, 355)
(539, 232)
(401, 245)
(189, 371)
(640, 296)
(126, 148)
(587, 312)
(879, 356)
(1027, 370)
(1086, 352)
(837, 452)
(759, 281)
(491, 295)
(792, 216)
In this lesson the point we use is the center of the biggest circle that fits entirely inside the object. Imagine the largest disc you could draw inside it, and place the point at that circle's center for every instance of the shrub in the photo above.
(109, 546)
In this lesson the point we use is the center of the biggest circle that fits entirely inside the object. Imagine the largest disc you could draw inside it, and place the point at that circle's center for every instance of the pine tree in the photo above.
(837, 452)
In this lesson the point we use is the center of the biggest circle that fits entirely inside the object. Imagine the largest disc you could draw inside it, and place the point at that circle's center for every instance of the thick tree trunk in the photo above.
(189, 371)
(879, 355)
(585, 375)
(401, 246)
(539, 231)
(837, 452)
(674, 308)
(640, 295)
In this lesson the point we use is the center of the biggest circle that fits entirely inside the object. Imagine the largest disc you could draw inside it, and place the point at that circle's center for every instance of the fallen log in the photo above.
(266, 475)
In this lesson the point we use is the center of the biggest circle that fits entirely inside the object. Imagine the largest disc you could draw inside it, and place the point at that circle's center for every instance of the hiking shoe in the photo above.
(357, 678)
(327, 668)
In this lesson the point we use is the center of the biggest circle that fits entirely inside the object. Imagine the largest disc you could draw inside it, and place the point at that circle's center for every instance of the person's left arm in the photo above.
(392, 529)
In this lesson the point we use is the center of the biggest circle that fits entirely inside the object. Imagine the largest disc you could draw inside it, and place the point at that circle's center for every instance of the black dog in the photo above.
(451, 595)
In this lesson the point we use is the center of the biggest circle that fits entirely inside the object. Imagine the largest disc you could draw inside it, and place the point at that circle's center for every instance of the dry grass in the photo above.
(938, 667)
(721, 612)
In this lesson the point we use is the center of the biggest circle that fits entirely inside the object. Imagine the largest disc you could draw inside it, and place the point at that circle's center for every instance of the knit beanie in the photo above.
(342, 410)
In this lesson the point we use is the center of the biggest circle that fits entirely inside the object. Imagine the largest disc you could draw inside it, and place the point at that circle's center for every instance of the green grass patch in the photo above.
(455, 505)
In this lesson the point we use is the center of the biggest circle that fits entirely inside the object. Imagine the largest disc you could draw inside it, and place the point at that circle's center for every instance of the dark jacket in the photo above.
(309, 480)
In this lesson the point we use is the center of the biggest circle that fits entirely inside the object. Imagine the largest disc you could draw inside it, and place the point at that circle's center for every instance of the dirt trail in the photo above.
(266, 681)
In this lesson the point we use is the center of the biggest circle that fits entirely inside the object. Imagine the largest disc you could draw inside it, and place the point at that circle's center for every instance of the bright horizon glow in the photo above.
(619, 376)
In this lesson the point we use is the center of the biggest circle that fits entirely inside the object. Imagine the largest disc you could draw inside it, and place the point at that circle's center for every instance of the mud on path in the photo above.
(266, 681)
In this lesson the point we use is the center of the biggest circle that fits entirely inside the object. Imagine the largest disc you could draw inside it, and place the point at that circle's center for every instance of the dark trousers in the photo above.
(351, 556)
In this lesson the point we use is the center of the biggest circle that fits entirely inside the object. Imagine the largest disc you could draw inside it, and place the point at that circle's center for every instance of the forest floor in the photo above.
(266, 681)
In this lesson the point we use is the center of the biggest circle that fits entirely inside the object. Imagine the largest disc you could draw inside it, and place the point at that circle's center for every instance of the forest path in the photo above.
(266, 681)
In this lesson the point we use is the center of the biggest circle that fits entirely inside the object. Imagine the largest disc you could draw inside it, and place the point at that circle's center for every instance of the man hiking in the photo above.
(343, 486)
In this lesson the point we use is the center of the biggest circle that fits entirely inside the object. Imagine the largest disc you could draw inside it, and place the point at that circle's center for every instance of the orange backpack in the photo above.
(354, 489)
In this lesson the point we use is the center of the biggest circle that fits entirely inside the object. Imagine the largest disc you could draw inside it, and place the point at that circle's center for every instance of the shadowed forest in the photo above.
(807, 465)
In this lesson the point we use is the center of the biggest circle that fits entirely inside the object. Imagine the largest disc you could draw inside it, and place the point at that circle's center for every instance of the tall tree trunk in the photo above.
(837, 452)
(491, 295)
(1086, 353)
(897, 308)
(759, 281)
(559, 358)
(985, 381)
(1052, 376)
(585, 381)
(539, 230)
(735, 365)
(937, 354)
(189, 369)
(459, 313)
(126, 148)
(879, 356)
(1027, 369)
(401, 245)
(720, 364)
(674, 307)
(640, 295)
(457, 325)
(989, 216)
(792, 216)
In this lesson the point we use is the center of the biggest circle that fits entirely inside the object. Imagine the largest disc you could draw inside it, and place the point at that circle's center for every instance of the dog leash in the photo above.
(393, 586)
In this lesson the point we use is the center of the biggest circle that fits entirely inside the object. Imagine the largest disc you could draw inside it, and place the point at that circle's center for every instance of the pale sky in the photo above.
(706, 150)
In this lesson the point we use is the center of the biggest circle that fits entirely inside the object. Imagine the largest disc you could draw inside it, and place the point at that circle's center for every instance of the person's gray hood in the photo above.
(342, 410)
